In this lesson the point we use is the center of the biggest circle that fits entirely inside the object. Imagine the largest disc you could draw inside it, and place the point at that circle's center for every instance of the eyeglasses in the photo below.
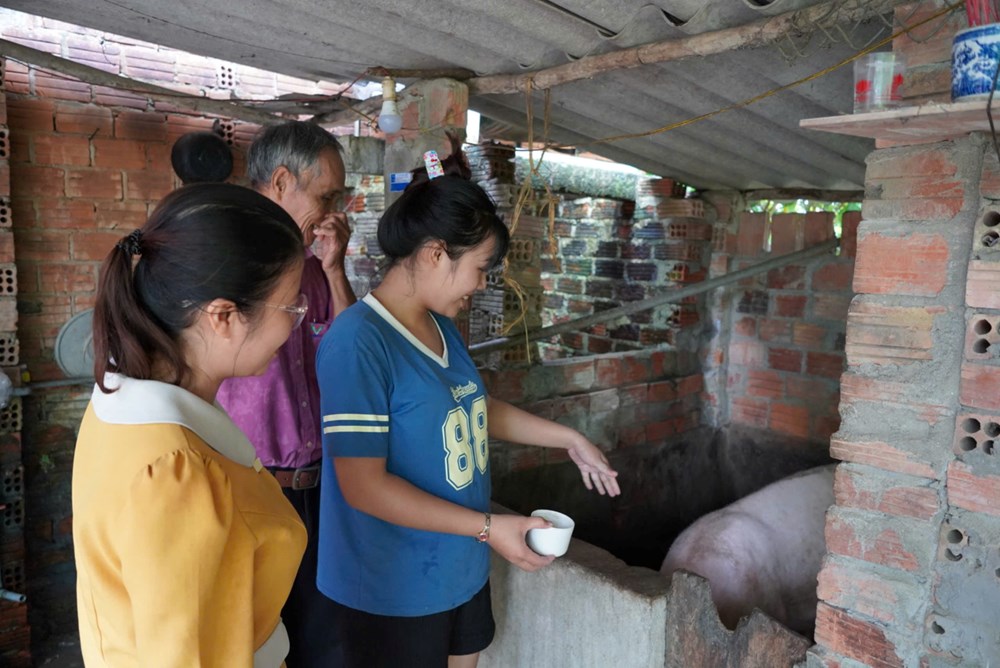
(298, 309)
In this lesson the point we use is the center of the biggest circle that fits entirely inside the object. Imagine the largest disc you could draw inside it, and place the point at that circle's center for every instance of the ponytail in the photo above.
(203, 242)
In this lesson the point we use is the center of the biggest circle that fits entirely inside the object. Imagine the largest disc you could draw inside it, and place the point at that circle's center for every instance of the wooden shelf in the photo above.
(929, 122)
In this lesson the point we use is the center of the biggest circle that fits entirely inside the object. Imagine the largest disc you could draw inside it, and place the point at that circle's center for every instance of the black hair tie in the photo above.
(130, 244)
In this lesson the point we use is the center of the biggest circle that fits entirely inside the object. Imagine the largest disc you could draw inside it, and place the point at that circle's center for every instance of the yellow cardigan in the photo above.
(185, 548)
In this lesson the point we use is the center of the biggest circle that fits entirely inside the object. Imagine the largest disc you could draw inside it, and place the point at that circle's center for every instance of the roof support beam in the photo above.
(92, 75)
(750, 35)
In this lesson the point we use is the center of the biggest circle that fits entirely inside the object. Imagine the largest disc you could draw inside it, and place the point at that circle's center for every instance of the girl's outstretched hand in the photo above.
(508, 536)
(594, 468)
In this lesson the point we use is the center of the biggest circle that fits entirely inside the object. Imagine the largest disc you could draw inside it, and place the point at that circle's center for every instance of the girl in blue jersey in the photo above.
(405, 527)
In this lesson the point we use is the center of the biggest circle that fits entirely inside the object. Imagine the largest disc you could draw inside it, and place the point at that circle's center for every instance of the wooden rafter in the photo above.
(750, 35)
(92, 75)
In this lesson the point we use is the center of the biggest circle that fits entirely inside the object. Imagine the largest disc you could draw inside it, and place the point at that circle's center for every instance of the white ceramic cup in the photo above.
(553, 541)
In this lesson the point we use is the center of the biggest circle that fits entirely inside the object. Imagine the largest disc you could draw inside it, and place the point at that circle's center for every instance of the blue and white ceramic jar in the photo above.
(974, 56)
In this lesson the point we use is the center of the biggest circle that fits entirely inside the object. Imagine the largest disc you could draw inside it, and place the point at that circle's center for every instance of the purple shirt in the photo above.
(279, 411)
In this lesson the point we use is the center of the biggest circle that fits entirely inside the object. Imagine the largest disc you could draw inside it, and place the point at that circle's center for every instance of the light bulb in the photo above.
(389, 120)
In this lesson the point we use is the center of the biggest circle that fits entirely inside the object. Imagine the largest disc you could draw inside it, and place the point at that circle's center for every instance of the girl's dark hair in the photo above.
(448, 208)
(203, 242)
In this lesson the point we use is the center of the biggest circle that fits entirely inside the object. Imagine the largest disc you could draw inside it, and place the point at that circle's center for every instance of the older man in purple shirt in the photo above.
(298, 165)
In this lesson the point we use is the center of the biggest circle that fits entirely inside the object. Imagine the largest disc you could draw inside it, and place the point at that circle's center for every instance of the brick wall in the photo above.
(619, 400)
(14, 631)
(919, 410)
(612, 252)
(785, 349)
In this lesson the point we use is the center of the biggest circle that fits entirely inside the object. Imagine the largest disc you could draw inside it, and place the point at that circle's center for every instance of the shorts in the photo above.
(382, 641)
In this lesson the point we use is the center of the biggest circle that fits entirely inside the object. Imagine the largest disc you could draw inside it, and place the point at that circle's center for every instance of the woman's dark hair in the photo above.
(204, 241)
(448, 208)
(201, 157)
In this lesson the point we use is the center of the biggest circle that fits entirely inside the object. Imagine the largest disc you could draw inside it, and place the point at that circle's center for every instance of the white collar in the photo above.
(376, 306)
(153, 402)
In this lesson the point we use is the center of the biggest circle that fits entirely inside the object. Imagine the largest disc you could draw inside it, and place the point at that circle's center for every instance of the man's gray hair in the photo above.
(295, 144)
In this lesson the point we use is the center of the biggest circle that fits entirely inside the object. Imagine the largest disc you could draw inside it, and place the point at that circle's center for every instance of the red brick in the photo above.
(904, 164)
(33, 244)
(979, 493)
(114, 97)
(608, 373)
(880, 455)
(658, 431)
(749, 412)
(765, 385)
(509, 385)
(851, 637)
(784, 359)
(833, 277)
(878, 334)
(817, 392)
(121, 154)
(67, 278)
(745, 326)
(663, 390)
(27, 179)
(818, 228)
(88, 120)
(20, 147)
(751, 354)
(94, 183)
(116, 214)
(576, 376)
(981, 284)
(830, 306)
(58, 87)
(787, 232)
(886, 548)
(913, 209)
(863, 593)
(93, 245)
(30, 114)
(578, 405)
(809, 336)
(690, 385)
(791, 277)
(55, 213)
(916, 187)
(634, 395)
(773, 330)
(853, 489)
(142, 126)
(60, 150)
(914, 265)
(750, 237)
(149, 65)
(849, 233)
(148, 185)
(635, 369)
(792, 420)
(102, 55)
(790, 306)
(830, 365)
(980, 386)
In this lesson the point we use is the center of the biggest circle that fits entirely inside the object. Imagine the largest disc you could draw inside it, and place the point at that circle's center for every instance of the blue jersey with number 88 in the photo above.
(385, 394)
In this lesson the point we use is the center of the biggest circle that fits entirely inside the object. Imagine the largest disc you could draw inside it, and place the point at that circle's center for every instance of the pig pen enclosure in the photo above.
(745, 396)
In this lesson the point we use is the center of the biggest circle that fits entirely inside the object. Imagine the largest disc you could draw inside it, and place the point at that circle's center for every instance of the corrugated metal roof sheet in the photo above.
(756, 147)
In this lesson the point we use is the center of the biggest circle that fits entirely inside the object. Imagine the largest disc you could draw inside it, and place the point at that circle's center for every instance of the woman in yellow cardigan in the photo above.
(185, 546)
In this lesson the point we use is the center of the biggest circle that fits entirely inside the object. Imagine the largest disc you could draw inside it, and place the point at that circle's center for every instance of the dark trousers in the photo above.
(308, 614)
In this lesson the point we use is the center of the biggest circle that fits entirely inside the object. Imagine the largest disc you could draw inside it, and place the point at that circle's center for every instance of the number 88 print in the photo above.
(465, 441)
